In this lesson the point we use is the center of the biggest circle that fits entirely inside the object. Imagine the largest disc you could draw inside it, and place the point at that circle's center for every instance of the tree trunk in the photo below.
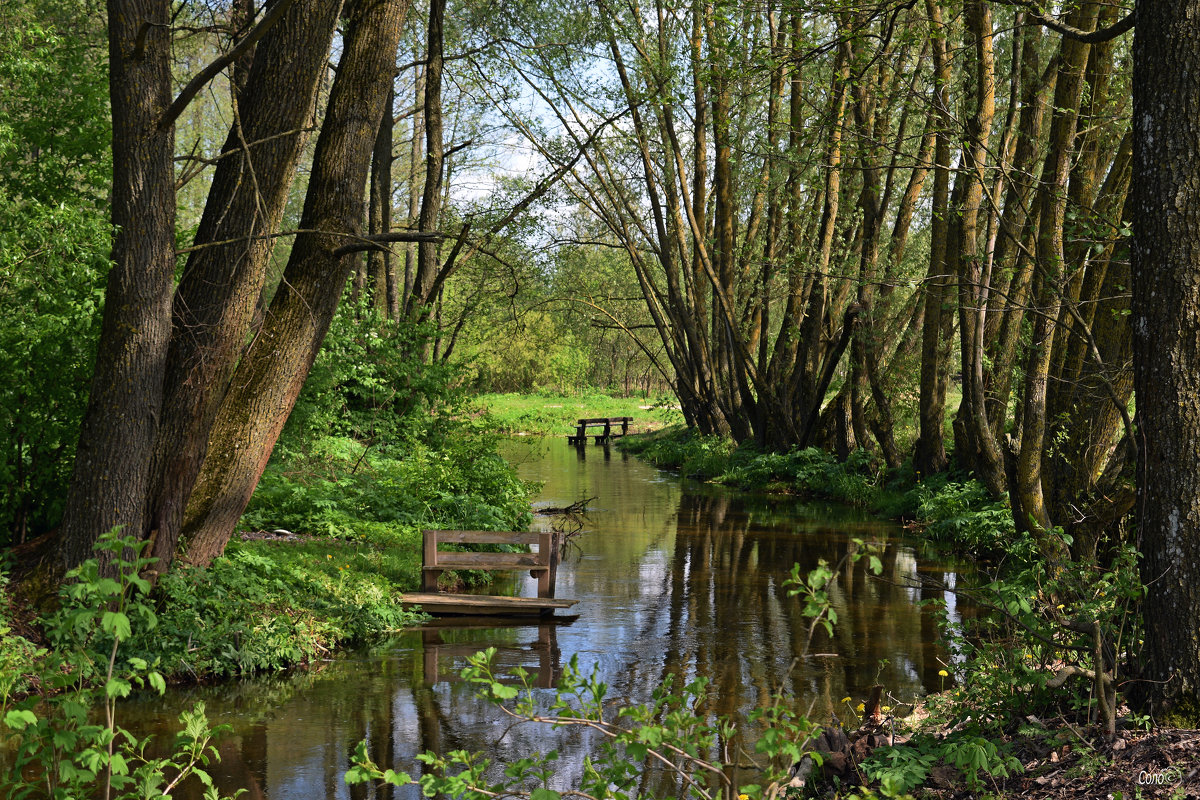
(270, 376)
(431, 198)
(929, 456)
(223, 280)
(116, 440)
(381, 270)
(1166, 329)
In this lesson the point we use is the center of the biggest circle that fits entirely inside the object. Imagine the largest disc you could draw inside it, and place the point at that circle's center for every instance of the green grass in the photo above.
(550, 414)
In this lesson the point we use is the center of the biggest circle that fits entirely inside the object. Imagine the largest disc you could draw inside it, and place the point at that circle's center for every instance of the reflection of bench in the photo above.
(444, 659)
(598, 423)
(542, 565)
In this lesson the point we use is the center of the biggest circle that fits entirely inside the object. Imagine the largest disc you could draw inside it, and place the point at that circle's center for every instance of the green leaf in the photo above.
(502, 692)
(19, 719)
(117, 624)
(396, 778)
(544, 794)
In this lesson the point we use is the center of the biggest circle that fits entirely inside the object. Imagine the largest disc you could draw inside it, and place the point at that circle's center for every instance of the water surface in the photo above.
(672, 577)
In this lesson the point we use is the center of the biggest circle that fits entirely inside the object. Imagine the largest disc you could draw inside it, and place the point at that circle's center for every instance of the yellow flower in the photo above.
(859, 707)
(328, 556)
(943, 673)
(846, 699)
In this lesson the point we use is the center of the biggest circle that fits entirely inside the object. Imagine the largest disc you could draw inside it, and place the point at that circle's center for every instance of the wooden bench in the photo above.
(607, 423)
(542, 565)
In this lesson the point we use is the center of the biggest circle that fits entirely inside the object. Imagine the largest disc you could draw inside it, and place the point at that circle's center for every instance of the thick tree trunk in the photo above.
(270, 376)
(221, 286)
(112, 462)
(1166, 330)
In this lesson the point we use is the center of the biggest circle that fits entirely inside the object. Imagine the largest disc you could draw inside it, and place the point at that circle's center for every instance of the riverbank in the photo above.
(950, 511)
(330, 539)
(1026, 716)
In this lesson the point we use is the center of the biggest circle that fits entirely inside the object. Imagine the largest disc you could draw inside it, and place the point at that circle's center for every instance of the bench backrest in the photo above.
(543, 564)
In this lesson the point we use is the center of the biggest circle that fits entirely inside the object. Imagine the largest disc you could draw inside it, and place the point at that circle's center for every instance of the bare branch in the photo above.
(205, 75)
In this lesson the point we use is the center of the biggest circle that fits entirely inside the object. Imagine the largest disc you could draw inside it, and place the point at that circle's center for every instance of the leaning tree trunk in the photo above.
(1166, 329)
(112, 462)
(220, 287)
(271, 374)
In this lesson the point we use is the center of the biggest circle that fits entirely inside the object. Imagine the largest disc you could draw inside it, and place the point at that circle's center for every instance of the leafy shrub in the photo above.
(370, 381)
(339, 487)
(58, 749)
(967, 517)
(258, 610)
(902, 769)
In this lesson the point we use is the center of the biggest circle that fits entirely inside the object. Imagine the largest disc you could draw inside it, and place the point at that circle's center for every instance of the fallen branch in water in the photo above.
(578, 508)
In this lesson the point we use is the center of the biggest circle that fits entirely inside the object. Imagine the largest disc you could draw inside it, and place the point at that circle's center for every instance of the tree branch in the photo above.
(189, 92)
(376, 241)
(1089, 37)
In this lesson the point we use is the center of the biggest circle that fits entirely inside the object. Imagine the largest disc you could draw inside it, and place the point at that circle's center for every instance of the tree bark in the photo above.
(431, 198)
(269, 378)
(929, 456)
(221, 285)
(1166, 330)
(116, 440)
(381, 270)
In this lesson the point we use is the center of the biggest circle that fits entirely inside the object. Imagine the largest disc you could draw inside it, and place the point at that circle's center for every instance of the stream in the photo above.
(672, 577)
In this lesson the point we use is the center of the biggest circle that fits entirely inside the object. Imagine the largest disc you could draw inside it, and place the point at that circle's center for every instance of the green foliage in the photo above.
(370, 382)
(1043, 635)
(266, 607)
(802, 470)
(692, 453)
(59, 750)
(965, 516)
(17, 654)
(901, 769)
(340, 488)
(54, 244)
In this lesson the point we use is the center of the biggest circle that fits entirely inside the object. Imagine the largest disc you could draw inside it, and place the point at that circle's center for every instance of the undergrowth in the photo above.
(954, 510)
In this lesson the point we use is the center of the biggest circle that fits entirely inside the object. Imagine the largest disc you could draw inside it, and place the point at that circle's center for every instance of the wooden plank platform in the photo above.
(438, 603)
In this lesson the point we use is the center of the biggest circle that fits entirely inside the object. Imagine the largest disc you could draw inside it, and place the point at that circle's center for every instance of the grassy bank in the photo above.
(550, 414)
(953, 510)
(328, 543)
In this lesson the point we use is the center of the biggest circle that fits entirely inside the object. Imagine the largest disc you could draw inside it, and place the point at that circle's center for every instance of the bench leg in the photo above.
(429, 580)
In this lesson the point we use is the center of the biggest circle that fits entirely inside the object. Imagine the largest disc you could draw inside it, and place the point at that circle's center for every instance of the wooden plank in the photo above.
(442, 603)
(491, 561)
(602, 420)
(484, 537)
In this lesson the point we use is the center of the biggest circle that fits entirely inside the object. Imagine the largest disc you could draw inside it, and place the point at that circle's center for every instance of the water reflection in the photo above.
(672, 578)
